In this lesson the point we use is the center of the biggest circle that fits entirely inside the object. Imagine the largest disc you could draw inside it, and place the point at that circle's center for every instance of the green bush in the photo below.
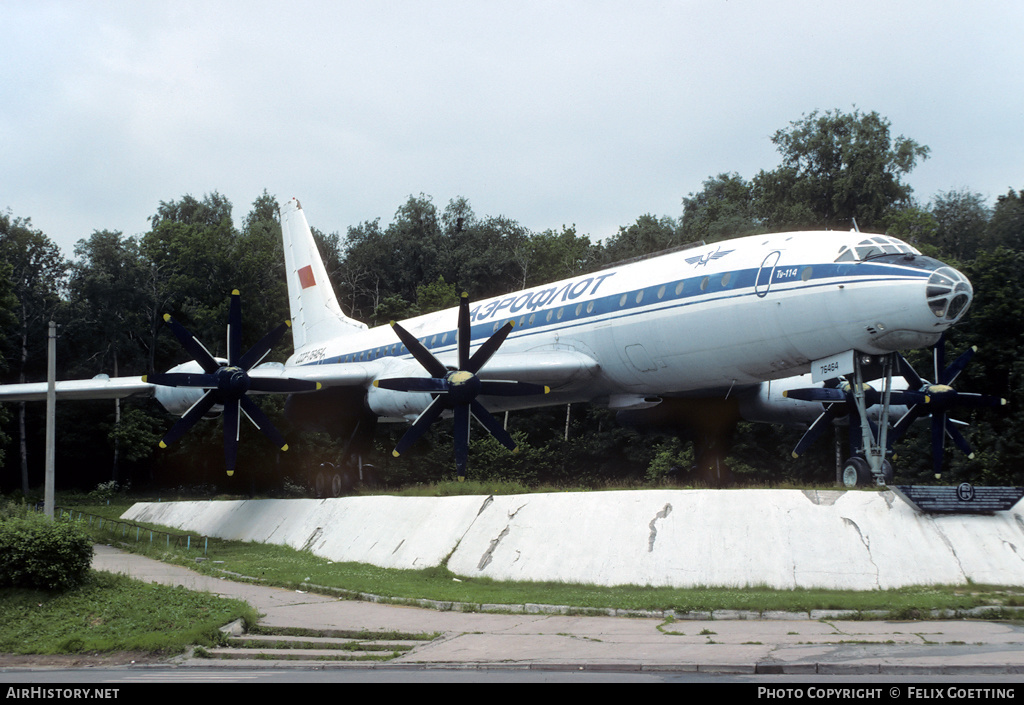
(36, 552)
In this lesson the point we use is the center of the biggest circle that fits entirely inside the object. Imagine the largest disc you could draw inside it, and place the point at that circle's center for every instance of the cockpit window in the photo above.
(874, 246)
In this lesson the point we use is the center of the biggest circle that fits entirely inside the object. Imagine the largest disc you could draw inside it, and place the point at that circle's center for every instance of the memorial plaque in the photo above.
(964, 498)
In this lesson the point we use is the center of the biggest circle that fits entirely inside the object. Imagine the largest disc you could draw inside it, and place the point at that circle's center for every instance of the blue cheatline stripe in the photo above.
(695, 290)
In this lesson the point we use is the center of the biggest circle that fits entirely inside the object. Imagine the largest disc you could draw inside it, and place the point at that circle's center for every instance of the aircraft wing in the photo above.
(99, 387)
(339, 374)
(555, 368)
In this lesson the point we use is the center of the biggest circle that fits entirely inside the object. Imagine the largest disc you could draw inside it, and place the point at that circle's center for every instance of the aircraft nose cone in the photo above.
(949, 294)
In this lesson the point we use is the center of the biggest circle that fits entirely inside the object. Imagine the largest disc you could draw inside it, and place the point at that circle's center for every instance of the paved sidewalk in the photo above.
(546, 641)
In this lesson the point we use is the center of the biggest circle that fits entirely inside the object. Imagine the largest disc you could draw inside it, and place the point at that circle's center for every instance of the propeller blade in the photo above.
(485, 351)
(461, 432)
(420, 426)
(939, 357)
(977, 401)
(413, 384)
(464, 331)
(938, 440)
(285, 385)
(260, 421)
(491, 424)
(188, 419)
(231, 429)
(182, 379)
(822, 394)
(954, 370)
(192, 345)
(511, 388)
(235, 328)
(959, 440)
(814, 431)
(901, 426)
(426, 358)
(254, 355)
(909, 374)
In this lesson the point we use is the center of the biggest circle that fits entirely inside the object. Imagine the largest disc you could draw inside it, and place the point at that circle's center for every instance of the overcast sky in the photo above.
(550, 113)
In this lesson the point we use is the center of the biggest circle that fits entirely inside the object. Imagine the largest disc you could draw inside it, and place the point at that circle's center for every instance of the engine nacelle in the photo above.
(178, 400)
(399, 405)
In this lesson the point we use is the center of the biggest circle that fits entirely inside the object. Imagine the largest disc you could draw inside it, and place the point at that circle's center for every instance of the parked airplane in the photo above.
(708, 322)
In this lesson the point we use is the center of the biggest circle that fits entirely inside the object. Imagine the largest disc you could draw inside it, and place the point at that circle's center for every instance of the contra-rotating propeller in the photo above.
(458, 389)
(840, 402)
(942, 399)
(228, 384)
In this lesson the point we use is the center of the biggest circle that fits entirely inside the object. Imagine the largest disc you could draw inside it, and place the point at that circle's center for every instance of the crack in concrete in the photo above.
(867, 545)
(485, 560)
(665, 511)
(312, 538)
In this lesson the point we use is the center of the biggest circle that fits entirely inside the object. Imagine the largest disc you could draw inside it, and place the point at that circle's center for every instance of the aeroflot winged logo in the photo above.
(702, 260)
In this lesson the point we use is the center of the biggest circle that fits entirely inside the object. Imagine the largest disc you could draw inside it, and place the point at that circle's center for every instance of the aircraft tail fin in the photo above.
(315, 312)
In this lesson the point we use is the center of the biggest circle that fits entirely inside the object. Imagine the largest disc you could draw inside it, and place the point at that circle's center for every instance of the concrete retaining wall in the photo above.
(683, 538)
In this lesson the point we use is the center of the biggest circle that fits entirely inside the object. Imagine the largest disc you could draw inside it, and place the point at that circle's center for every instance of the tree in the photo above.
(8, 319)
(549, 256)
(914, 225)
(191, 254)
(38, 271)
(646, 236)
(836, 167)
(961, 222)
(1006, 226)
(723, 209)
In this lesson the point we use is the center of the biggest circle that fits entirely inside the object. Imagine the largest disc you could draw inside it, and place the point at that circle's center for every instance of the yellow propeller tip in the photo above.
(547, 389)
(392, 323)
(236, 292)
(395, 453)
(461, 478)
(796, 455)
(144, 378)
(288, 323)
(464, 294)
(230, 473)
(785, 393)
(162, 444)
(167, 317)
(284, 447)
(319, 386)
(376, 383)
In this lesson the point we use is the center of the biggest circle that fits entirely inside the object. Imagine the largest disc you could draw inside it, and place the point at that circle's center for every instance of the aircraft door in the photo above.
(764, 275)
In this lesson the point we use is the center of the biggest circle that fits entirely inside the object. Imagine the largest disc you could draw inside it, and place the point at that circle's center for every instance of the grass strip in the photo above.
(114, 613)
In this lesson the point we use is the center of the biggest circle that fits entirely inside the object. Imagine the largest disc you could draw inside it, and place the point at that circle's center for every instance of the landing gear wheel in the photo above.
(341, 483)
(856, 472)
(887, 472)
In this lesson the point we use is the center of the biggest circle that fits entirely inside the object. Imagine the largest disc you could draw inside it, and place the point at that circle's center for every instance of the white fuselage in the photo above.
(712, 317)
